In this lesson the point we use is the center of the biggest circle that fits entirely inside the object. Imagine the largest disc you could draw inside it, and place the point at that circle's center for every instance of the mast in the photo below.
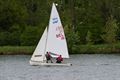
(47, 32)
(47, 36)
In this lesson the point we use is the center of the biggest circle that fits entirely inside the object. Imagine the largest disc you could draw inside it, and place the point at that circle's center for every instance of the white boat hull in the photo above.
(36, 63)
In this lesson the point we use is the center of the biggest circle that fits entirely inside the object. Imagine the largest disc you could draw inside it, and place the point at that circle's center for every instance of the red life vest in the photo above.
(59, 58)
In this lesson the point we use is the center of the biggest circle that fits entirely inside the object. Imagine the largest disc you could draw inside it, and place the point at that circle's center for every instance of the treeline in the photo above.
(22, 22)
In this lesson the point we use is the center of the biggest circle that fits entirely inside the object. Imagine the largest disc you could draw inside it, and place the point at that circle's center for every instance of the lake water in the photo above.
(85, 67)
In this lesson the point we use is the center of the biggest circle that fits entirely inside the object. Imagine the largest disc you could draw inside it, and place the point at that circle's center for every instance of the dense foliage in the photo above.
(22, 22)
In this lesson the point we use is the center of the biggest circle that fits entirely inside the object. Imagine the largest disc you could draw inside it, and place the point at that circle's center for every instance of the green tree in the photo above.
(11, 12)
(30, 36)
(89, 38)
(72, 37)
(4, 38)
(110, 30)
(14, 36)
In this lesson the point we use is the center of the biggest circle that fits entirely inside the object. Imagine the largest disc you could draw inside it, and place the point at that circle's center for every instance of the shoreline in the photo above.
(80, 49)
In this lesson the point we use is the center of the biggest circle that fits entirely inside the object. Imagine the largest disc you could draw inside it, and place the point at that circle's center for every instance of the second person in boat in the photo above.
(59, 59)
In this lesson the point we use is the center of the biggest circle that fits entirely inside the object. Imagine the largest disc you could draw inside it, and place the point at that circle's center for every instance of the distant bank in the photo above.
(16, 50)
(81, 49)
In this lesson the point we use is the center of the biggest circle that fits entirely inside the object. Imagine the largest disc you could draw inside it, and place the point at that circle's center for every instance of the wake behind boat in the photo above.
(53, 40)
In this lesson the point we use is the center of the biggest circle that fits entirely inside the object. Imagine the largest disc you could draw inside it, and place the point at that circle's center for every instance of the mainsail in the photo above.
(56, 41)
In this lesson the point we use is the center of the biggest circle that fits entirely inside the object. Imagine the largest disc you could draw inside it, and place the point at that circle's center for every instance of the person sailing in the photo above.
(59, 59)
(48, 57)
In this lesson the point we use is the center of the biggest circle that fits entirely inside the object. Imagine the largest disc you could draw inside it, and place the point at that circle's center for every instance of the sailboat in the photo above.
(53, 40)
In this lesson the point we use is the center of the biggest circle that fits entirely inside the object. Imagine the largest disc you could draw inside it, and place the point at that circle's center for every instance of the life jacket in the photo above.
(59, 59)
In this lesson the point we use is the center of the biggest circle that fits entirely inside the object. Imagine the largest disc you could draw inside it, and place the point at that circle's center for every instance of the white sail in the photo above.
(56, 41)
(39, 53)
